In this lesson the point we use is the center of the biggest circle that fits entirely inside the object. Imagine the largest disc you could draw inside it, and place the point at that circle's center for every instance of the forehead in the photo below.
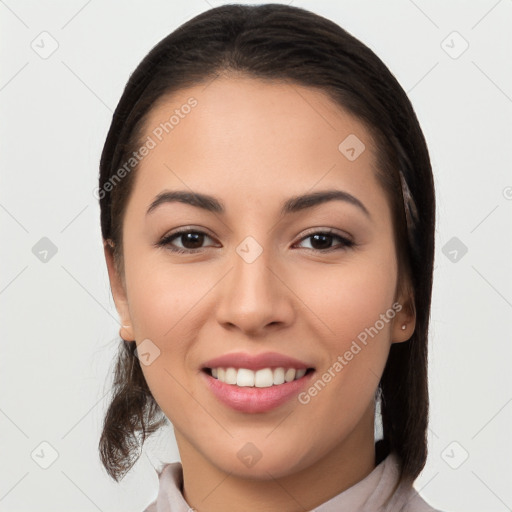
(226, 110)
(256, 137)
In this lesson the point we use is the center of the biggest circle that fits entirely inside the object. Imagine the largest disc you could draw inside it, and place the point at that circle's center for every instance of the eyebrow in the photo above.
(291, 205)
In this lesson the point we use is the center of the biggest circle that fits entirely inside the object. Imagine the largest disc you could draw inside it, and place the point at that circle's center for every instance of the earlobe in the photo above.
(404, 323)
(118, 292)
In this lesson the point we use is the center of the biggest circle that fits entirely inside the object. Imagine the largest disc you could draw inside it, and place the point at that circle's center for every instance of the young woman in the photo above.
(267, 210)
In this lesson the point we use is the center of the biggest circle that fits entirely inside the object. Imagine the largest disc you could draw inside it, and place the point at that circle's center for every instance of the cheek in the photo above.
(354, 304)
(167, 306)
(163, 306)
(163, 296)
(352, 297)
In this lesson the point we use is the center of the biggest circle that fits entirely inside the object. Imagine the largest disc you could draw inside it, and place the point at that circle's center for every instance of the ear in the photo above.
(118, 292)
(405, 316)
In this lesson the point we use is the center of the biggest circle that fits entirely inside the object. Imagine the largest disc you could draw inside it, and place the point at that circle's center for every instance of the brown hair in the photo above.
(279, 42)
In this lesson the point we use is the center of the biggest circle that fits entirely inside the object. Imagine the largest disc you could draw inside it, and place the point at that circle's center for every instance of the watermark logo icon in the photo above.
(454, 249)
(147, 352)
(44, 455)
(351, 147)
(44, 250)
(249, 249)
(249, 454)
(45, 45)
(454, 45)
(454, 455)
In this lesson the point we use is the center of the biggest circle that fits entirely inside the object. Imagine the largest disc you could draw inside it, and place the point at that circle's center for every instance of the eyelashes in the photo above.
(318, 237)
(167, 240)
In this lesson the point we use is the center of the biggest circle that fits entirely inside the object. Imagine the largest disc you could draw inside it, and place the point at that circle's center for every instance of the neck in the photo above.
(207, 488)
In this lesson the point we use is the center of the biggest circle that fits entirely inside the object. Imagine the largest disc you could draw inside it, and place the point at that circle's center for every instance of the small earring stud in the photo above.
(404, 326)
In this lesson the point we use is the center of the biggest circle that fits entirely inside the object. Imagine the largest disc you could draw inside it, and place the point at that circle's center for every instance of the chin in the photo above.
(257, 462)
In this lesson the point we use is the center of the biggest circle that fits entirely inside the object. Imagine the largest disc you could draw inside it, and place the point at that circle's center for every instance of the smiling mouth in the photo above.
(263, 378)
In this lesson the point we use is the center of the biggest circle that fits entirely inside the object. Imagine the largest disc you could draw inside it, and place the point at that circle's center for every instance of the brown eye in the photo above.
(191, 241)
(322, 240)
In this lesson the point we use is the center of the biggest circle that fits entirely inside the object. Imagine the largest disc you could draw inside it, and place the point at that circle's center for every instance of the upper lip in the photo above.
(256, 361)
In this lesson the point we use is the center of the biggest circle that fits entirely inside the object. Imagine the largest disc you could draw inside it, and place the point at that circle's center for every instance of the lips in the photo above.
(258, 383)
(256, 362)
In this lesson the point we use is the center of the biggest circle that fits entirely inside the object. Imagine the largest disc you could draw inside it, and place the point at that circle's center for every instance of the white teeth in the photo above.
(279, 376)
(289, 375)
(263, 378)
(245, 378)
(300, 373)
(231, 376)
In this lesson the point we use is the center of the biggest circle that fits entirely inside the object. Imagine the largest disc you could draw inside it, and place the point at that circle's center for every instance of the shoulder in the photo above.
(169, 488)
(418, 504)
(405, 497)
(151, 507)
(411, 501)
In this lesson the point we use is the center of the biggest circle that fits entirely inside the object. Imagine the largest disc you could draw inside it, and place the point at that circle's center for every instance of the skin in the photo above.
(254, 144)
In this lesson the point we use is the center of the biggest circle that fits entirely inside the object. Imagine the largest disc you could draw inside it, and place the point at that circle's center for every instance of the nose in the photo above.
(255, 297)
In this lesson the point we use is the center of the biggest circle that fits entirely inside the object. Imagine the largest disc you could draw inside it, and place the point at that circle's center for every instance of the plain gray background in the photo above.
(59, 324)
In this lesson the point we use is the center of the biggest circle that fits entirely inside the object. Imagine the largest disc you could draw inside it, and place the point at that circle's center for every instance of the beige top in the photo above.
(377, 492)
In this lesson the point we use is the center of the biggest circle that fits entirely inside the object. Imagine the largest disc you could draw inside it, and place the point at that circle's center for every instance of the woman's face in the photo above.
(257, 287)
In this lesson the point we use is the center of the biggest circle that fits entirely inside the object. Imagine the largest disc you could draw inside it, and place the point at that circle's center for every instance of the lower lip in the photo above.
(254, 400)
